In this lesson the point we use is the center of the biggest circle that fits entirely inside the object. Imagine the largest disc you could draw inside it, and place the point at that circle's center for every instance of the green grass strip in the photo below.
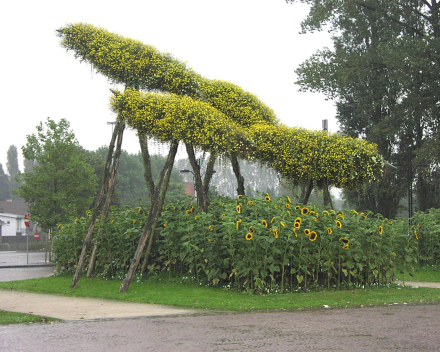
(7, 318)
(192, 296)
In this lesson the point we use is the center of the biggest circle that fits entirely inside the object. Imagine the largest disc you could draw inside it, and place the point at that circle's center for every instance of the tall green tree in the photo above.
(62, 184)
(382, 73)
(5, 191)
(13, 170)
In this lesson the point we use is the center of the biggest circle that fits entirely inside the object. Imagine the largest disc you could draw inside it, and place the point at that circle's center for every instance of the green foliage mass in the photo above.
(252, 243)
(61, 183)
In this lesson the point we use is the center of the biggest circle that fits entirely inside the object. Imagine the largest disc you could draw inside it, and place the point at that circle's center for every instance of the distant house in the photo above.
(12, 218)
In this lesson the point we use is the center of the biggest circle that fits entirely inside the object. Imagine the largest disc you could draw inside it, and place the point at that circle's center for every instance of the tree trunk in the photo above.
(239, 177)
(202, 197)
(148, 175)
(97, 206)
(209, 172)
(110, 191)
(307, 191)
(327, 196)
(154, 214)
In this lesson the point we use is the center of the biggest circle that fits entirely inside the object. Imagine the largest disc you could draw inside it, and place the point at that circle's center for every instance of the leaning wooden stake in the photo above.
(238, 175)
(202, 197)
(96, 208)
(110, 191)
(154, 214)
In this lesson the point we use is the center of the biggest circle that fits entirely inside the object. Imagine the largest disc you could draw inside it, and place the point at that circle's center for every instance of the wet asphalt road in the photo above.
(387, 328)
(395, 328)
(22, 266)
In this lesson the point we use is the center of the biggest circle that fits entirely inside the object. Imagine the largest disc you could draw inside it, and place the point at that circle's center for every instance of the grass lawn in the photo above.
(193, 296)
(7, 318)
(423, 273)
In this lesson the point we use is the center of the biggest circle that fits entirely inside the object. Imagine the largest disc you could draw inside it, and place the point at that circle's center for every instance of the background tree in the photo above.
(5, 191)
(13, 170)
(382, 74)
(62, 184)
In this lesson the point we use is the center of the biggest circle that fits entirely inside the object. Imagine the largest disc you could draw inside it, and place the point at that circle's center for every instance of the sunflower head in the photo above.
(344, 240)
(307, 232)
(238, 209)
(249, 236)
(304, 211)
(275, 233)
(287, 205)
(338, 224)
(380, 230)
(297, 225)
(329, 230)
(313, 236)
(264, 223)
(267, 198)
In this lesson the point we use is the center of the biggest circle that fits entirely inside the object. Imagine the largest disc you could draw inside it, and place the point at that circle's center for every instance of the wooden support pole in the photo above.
(110, 191)
(97, 207)
(153, 215)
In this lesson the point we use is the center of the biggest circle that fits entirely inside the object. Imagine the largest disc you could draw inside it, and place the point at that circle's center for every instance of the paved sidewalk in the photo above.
(78, 308)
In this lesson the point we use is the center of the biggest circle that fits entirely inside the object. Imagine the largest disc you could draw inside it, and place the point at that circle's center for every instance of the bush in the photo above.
(426, 227)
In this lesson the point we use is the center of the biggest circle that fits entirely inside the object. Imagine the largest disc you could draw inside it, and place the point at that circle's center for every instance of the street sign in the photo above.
(36, 235)
(26, 220)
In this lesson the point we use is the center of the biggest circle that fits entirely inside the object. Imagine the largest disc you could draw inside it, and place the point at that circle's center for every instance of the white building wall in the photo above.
(13, 224)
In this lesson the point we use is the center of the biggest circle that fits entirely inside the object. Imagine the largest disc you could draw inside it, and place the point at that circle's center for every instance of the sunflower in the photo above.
(338, 224)
(307, 232)
(165, 225)
(238, 224)
(288, 199)
(326, 213)
(297, 225)
(264, 223)
(329, 230)
(297, 207)
(294, 231)
(249, 236)
(271, 221)
(380, 230)
(364, 216)
(346, 246)
(267, 198)
(250, 203)
(238, 209)
(287, 205)
(275, 233)
(304, 211)
(192, 209)
(415, 234)
(298, 220)
(210, 228)
(313, 236)
(282, 224)
(223, 215)
(344, 240)
(251, 230)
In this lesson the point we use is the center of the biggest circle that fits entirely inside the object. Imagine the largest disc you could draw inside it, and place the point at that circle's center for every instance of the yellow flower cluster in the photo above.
(215, 115)
(171, 117)
(128, 61)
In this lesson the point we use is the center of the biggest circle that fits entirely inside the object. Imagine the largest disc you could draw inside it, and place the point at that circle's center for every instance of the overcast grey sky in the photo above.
(253, 43)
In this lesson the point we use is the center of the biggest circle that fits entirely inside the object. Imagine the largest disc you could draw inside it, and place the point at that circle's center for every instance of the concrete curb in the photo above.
(27, 266)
